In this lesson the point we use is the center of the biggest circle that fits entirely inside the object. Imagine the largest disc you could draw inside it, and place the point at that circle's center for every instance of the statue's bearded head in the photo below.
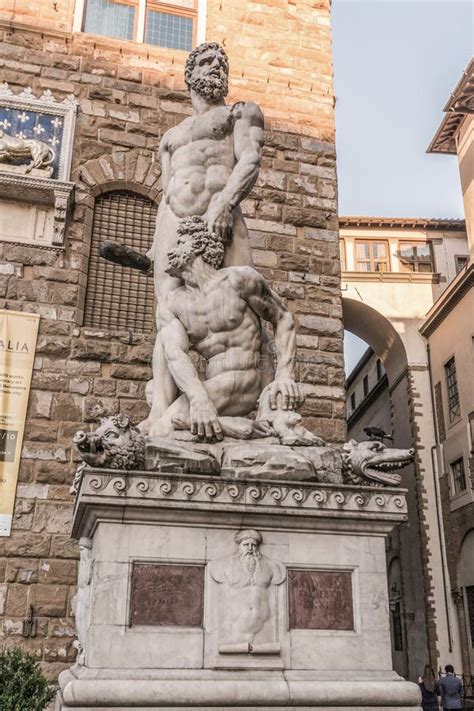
(194, 240)
(207, 71)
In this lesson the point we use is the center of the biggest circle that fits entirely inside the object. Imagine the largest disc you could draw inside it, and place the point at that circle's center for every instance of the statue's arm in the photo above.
(248, 143)
(165, 162)
(266, 304)
(176, 347)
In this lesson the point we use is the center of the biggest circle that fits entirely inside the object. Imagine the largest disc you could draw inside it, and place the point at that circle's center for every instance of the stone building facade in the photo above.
(418, 272)
(129, 93)
(448, 329)
(394, 270)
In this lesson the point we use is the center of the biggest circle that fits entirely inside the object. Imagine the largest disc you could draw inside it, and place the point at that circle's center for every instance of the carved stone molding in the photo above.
(145, 495)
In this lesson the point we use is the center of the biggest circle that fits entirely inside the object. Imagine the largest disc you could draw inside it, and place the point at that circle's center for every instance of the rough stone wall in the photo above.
(81, 373)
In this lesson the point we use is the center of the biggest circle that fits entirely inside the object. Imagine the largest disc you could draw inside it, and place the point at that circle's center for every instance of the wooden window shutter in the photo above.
(120, 298)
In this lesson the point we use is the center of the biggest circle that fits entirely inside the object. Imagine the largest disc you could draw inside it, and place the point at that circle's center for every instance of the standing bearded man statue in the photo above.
(209, 163)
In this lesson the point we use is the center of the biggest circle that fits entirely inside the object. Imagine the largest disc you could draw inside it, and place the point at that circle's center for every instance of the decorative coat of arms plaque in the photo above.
(36, 137)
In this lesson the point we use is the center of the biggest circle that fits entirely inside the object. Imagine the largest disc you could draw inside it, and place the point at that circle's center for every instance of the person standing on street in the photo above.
(450, 690)
(429, 690)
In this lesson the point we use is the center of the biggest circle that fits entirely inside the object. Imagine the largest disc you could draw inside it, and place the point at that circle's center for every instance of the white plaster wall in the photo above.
(465, 150)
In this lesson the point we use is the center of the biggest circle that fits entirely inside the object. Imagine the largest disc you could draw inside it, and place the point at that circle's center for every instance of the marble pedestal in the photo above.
(170, 615)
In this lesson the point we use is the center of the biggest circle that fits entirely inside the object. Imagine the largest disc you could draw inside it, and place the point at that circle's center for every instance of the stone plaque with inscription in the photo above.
(320, 600)
(164, 595)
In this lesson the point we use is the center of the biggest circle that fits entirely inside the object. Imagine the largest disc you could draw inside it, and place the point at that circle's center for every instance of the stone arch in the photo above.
(120, 169)
(374, 328)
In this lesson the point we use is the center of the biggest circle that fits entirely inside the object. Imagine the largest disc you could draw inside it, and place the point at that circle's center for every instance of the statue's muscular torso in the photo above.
(201, 159)
(220, 324)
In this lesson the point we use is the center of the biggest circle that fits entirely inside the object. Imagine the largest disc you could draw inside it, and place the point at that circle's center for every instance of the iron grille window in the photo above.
(119, 298)
(453, 392)
(353, 401)
(459, 476)
(470, 610)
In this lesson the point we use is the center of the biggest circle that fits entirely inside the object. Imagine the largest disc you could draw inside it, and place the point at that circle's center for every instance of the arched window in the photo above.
(120, 298)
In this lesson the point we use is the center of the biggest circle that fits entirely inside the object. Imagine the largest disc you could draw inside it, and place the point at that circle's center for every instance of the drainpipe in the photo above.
(439, 517)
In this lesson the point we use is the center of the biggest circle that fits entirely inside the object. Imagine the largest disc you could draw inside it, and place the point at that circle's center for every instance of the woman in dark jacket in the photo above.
(429, 690)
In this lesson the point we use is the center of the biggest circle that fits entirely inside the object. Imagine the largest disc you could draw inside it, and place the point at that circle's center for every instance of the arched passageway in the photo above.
(374, 328)
(421, 584)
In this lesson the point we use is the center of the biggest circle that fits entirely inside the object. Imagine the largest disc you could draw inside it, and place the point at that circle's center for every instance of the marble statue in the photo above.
(209, 164)
(14, 149)
(373, 464)
(247, 578)
(218, 312)
(241, 419)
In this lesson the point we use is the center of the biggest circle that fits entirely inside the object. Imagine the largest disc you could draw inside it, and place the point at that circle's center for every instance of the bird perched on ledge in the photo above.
(377, 434)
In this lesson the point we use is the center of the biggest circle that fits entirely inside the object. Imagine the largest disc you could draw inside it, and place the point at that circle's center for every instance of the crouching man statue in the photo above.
(218, 313)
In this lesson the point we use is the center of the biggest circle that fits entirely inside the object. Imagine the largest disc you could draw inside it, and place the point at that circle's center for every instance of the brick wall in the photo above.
(280, 54)
(126, 103)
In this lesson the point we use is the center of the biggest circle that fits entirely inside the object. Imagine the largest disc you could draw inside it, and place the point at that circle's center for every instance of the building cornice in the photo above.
(459, 105)
(455, 292)
(427, 223)
(15, 26)
(399, 277)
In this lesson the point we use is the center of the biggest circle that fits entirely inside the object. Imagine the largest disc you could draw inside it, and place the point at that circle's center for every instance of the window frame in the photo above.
(353, 401)
(454, 407)
(378, 368)
(454, 488)
(365, 385)
(342, 254)
(371, 258)
(139, 27)
(175, 10)
(416, 259)
(464, 259)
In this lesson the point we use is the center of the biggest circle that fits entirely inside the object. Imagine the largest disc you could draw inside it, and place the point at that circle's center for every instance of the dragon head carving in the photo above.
(374, 464)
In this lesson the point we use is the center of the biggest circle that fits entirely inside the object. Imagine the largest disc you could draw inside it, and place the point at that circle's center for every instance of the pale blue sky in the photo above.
(395, 65)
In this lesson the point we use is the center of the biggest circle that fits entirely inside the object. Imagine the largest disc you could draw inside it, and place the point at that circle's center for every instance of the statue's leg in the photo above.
(163, 390)
(232, 392)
